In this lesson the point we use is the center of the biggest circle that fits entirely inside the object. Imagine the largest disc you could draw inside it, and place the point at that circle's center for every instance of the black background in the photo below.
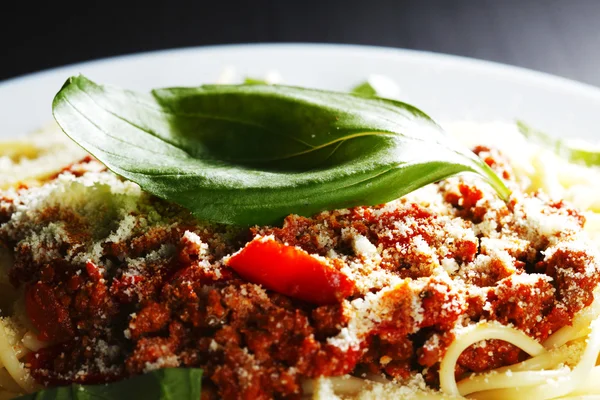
(556, 36)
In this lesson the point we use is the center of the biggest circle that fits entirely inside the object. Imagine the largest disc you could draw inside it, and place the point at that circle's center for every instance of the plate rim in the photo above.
(507, 70)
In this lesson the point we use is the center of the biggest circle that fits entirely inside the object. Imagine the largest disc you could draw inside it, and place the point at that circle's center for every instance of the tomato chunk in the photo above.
(48, 316)
(291, 271)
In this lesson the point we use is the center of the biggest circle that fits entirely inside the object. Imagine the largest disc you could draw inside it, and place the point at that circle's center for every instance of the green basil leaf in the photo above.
(364, 89)
(569, 150)
(162, 384)
(253, 154)
(254, 81)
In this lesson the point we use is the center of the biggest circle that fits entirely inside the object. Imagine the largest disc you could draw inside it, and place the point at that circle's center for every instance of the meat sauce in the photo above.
(182, 294)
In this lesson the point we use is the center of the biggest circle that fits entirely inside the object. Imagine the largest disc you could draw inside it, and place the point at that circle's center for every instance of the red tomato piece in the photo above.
(291, 271)
(48, 316)
(93, 271)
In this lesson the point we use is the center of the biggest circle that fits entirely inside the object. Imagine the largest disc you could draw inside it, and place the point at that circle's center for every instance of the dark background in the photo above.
(556, 36)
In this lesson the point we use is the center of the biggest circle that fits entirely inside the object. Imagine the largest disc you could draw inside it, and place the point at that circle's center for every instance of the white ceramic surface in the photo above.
(445, 87)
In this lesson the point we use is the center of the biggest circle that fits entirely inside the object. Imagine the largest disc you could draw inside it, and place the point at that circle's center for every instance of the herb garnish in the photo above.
(252, 154)
(364, 89)
(567, 149)
(162, 384)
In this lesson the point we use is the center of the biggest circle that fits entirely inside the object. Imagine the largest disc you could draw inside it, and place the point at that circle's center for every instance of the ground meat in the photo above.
(128, 289)
(156, 352)
(572, 271)
(329, 320)
(488, 355)
(522, 304)
(152, 318)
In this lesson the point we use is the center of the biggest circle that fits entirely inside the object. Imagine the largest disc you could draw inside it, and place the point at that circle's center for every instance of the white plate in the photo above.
(445, 87)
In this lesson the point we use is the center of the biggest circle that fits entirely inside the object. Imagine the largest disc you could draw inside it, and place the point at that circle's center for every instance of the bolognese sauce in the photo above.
(117, 283)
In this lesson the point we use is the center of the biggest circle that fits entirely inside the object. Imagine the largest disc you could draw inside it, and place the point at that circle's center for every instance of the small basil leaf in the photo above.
(379, 86)
(563, 148)
(364, 89)
(254, 81)
(252, 154)
(162, 384)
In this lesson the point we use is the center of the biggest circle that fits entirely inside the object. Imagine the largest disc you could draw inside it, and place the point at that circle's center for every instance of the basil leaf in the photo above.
(253, 154)
(379, 86)
(161, 384)
(253, 81)
(364, 89)
(565, 149)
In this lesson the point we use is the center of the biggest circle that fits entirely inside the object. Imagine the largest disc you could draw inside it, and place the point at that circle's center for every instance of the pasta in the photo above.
(561, 365)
